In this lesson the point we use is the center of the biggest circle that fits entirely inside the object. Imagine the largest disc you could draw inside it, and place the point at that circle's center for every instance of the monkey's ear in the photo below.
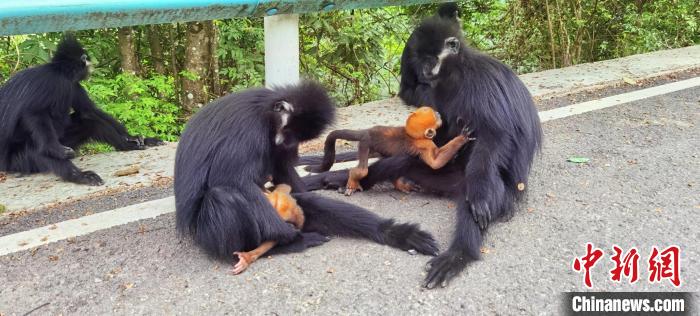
(429, 133)
(461, 122)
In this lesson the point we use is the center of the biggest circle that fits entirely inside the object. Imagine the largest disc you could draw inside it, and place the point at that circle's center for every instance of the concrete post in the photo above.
(281, 49)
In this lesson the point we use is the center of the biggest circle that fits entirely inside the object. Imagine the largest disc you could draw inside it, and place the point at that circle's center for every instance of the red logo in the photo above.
(666, 265)
(629, 266)
(589, 260)
(663, 264)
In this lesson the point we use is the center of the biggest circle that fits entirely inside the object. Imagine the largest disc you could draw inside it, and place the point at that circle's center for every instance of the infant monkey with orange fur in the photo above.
(287, 208)
(415, 138)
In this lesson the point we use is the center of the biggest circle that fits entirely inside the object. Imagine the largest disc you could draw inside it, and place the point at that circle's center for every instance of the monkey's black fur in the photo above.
(38, 132)
(229, 150)
(414, 88)
(484, 177)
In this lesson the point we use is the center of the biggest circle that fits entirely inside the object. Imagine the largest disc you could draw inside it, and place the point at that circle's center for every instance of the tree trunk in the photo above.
(196, 62)
(153, 34)
(127, 50)
(214, 82)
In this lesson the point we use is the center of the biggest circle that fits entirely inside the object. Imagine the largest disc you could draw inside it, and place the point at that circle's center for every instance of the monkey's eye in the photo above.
(452, 43)
(280, 106)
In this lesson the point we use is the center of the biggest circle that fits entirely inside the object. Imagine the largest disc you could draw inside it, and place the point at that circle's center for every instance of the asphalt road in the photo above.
(639, 189)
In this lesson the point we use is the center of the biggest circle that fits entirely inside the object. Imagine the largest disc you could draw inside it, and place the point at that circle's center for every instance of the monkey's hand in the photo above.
(244, 261)
(466, 132)
(153, 141)
(481, 212)
(135, 143)
(61, 152)
(444, 268)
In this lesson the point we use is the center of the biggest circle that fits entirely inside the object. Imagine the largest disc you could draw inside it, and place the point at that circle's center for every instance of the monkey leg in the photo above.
(329, 147)
(358, 173)
(245, 259)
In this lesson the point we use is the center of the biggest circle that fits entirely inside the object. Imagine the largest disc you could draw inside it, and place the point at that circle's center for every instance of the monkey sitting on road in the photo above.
(415, 139)
(287, 208)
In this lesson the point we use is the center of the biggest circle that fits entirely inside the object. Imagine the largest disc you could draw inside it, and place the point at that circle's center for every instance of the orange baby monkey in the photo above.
(415, 138)
(287, 208)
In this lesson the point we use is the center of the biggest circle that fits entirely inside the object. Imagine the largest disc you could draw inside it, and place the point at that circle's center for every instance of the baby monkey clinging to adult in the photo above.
(287, 208)
(416, 139)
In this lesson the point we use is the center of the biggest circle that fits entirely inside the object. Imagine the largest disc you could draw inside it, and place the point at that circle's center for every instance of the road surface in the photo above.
(640, 189)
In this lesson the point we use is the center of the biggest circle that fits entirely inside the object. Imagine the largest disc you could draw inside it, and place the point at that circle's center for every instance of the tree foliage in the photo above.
(356, 54)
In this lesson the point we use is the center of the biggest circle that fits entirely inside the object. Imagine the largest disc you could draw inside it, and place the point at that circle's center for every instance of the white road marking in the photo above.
(84, 225)
(103, 220)
(108, 219)
(606, 102)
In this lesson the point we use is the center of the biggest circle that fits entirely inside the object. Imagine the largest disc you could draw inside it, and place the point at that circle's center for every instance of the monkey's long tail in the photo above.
(336, 218)
(318, 159)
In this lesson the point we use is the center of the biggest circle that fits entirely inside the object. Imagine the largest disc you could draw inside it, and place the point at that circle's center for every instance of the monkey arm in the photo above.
(245, 259)
(43, 133)
(105, 127)
(436, 157)
(88, 110)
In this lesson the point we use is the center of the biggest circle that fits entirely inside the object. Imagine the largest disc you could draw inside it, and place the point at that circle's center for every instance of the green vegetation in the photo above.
(148, 78)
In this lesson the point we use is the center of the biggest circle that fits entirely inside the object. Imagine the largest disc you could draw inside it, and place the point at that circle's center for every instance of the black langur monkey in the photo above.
(229, 150)
(415, 88)
(487, 177)
(38, 132)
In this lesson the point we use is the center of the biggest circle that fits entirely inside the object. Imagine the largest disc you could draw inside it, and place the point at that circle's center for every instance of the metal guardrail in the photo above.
(281, 20)
(40, 16)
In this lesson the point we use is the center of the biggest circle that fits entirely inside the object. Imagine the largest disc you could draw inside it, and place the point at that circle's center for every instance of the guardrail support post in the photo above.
(281, 49)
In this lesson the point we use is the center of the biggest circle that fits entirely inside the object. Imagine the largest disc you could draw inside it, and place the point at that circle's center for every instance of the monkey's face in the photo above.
(423, 123)
(433, 42)
(85, 60)
(310, 110)
(281, 112)
(433, 65)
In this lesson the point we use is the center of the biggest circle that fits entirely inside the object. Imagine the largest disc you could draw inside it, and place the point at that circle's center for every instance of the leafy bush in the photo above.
(145, 105)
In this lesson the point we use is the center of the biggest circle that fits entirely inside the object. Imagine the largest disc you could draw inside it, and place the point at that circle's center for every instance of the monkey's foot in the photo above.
(406, 186)
(350, 190)
(244, 261)
(84, 177)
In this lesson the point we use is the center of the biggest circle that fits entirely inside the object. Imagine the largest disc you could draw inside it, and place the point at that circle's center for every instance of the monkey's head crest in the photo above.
(423, 123)
(72, 58)
(313, 110)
